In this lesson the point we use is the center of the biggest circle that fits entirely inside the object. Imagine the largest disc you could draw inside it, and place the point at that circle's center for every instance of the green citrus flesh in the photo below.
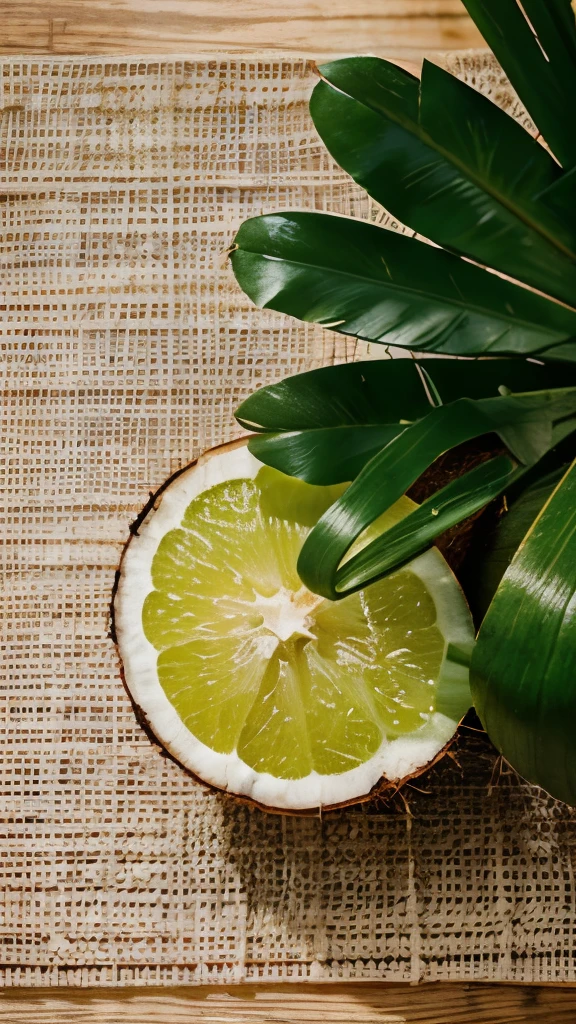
(255, 663)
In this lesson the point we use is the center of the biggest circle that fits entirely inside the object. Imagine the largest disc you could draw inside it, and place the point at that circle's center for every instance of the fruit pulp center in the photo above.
(253, 662)
(287, 613)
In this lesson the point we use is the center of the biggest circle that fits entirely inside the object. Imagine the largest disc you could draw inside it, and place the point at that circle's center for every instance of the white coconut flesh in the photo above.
(261, 687)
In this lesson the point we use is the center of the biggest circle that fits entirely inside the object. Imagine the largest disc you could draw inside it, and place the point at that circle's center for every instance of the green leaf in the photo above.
(369, 391)
(327, 424)
(390, 473)
(524, 663)
(535, 42)
(388, 390)
(379, 285)
(450, 164)
(328, 455)
(501, 545)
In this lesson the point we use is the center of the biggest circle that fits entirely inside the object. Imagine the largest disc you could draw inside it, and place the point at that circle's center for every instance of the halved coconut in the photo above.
(255, 684)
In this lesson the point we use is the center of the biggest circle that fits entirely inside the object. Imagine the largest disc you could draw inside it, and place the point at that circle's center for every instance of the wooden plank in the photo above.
(356, 1003)
(297, 27)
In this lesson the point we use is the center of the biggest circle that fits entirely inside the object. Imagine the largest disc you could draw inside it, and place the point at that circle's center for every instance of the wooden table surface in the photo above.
(298, 27)
(355, 1003)
(403, 28)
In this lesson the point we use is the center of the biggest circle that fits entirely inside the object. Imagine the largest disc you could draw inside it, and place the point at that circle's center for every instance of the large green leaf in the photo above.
(330, 455)
(361, 280)
(524, 422)
(326, 424)
(389, 390)
(368, 391)
(449, 163)
(524, 663)
(535, 42)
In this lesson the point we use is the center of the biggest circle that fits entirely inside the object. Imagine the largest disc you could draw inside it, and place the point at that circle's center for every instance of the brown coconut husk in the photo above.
(454, 545)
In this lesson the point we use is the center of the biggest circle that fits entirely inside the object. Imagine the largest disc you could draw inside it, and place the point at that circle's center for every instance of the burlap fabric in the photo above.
(125, 347)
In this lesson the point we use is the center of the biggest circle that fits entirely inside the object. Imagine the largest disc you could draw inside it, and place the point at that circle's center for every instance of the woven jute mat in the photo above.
(125, 347)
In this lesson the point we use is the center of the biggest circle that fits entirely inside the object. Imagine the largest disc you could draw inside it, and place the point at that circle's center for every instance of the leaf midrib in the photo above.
(338, 426)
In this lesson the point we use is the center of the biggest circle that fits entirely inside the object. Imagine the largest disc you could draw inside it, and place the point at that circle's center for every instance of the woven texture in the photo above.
(125, 347)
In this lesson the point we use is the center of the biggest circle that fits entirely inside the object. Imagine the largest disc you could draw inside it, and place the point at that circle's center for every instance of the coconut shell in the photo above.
(453, 545)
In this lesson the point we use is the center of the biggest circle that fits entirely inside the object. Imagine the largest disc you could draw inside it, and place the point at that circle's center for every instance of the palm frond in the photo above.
(535, 42)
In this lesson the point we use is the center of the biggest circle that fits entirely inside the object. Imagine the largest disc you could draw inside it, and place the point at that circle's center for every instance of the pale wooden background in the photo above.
(354, 1003)
(315, 28)
(299, 27)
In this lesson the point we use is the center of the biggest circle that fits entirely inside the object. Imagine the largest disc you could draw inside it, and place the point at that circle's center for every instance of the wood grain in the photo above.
(294, 1004)
(297, 27)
